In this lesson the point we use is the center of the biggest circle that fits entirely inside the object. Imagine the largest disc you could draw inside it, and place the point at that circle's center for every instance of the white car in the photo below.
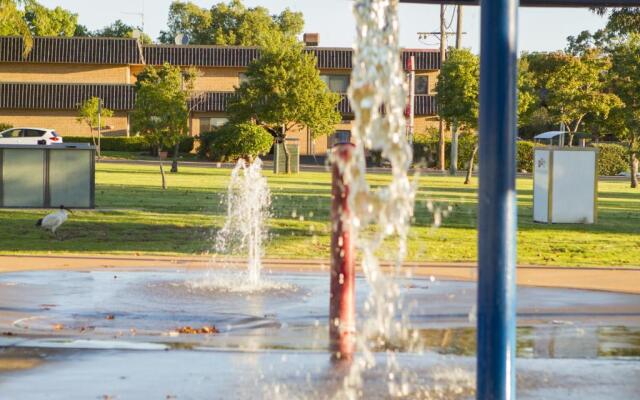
(29, 136)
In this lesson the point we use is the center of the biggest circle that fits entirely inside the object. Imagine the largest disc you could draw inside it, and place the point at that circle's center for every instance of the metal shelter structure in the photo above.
(497, 204)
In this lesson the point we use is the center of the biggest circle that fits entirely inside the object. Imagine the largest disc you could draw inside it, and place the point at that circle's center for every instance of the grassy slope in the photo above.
(136, 216)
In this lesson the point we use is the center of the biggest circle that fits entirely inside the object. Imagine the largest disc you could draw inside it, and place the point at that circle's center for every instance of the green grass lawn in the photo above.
(135, 215)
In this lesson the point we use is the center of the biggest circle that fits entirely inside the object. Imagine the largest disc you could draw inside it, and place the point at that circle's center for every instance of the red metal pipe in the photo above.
(342, 307)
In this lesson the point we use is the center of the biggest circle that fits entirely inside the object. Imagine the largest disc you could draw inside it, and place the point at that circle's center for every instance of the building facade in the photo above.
(46, 88)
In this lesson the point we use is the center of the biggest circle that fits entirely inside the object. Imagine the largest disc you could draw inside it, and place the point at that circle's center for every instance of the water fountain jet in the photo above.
(248, 201)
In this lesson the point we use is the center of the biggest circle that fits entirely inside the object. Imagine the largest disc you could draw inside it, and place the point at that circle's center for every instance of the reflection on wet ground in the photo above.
(118, 324)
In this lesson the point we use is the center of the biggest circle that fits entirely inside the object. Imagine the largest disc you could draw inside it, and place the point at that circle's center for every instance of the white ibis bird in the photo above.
(54, 220)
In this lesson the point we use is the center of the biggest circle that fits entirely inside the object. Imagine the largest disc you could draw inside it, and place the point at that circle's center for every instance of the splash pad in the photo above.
(115, 332)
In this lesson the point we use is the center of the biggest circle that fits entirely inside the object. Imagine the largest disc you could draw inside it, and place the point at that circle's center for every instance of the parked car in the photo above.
(29, 136)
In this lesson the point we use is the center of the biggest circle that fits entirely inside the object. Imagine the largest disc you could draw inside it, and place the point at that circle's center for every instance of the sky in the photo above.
(541, 29)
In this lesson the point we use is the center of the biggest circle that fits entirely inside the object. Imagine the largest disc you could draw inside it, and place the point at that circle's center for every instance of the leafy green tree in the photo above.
(625, 82)
(12, 22)
(28, 18)
(458, 93)
(45, 21)
(93, 115)
(161, 113)
(457, 96)
(577, 89)
(457, 88)
(622, 21)
(229, 24)
(122, 30)
(283, 90)
(243, 140)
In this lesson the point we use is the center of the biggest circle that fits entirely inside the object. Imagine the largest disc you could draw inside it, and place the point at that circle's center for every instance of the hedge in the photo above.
(612, 158)
(5, 126)
(426, 149)
(132, 144)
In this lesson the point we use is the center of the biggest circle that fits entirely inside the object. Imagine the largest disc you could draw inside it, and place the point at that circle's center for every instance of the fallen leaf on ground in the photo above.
(195, 331)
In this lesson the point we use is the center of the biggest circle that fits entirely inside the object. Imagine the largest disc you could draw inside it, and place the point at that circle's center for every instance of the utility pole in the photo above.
(441, 35)
(443, 55)
(453, 165)
(411, 67)
(459, 28)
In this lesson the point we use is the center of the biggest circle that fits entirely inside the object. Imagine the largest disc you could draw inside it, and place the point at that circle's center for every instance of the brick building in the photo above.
(45, 88)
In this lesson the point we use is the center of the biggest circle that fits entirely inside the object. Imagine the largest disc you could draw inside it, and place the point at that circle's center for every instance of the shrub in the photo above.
(131, 144)
(524, 155)
(612, 158)
(425, 148)
(205, 139)
(119, 143)
(233, 141)
(4, 126)
(186, 145)
(246, 140)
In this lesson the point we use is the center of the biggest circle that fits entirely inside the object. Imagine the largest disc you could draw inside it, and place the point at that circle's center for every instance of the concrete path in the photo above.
(623, 280)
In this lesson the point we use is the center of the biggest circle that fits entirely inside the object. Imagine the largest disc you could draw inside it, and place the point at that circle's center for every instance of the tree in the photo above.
(243, 140)
(283, 90)
(625, 82)
(161, 113)
(120, 29)
(12, 22)
(457, 94)
(229, 24)
(45, 21)
(577, 89)
(93, 115)
(623, 20)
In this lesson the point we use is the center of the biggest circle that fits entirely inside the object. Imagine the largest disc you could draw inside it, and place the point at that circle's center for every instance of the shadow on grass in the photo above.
(113, 233)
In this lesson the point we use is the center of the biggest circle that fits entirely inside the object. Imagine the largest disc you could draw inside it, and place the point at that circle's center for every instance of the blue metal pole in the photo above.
(497, 201)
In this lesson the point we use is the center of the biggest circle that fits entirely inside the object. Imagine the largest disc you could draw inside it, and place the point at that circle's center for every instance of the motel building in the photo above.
(46, 88)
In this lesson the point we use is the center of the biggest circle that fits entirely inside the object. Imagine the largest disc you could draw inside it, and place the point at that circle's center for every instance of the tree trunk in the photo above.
(164, 179)
(453, 167)
(441, 147)
(287, 156)
(467, 179)
(571, 134)
(174, 163)
(634, 170)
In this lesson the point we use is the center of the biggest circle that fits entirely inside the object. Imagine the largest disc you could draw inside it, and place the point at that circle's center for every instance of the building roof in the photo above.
(234, 56)
(69, 96)
(72, 50)
(549, 135)
(91, 50)
(63, 96)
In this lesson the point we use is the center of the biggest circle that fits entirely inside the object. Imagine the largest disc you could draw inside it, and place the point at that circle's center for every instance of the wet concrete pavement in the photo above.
(86, 334)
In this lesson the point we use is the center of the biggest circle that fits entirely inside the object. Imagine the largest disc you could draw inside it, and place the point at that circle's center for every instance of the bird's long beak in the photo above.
(68, 209)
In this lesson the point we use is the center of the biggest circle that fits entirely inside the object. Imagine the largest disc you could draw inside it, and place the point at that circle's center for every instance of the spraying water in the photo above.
(248, 201)
(377, 82)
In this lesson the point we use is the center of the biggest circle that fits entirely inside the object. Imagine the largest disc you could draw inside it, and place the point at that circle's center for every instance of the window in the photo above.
(14, 133)
(211, 123)
(341, 136)
(422, 84)
(336, 83)
(33, 133)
